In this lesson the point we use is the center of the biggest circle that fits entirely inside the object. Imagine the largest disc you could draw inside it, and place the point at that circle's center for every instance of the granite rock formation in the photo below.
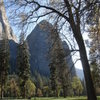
(39, 48)
(4, 24)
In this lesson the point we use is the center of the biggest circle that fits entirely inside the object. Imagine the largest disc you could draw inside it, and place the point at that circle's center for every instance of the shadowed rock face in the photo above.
(13, 55)
(39, 47)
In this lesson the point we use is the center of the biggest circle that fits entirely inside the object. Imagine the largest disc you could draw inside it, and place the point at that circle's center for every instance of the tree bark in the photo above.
(75, 25)
(86, 67)
(87, 73)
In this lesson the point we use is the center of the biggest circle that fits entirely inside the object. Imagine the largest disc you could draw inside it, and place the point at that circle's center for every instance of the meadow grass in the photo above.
(68, 98)
(54, 98)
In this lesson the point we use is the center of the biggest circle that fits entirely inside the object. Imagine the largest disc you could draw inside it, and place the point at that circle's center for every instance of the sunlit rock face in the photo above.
(39, 48)
(4, 24)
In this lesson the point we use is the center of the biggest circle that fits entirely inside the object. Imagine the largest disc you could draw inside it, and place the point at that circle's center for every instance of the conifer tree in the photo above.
(38, 81)
(58, 66)
(63, 71)
(53, 79)
(23, 64)
(4, 62)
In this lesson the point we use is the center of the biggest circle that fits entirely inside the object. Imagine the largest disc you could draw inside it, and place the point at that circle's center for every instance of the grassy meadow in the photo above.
(68, 98)
(54, 98)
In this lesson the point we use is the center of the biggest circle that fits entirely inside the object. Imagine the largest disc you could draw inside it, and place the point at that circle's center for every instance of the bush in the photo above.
(30, 88)
(12, 89)
(39, 92)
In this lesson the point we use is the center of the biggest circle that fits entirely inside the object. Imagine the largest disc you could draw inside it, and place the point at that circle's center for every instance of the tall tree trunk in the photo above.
(86, 67)
(87, 73)
(75, 25)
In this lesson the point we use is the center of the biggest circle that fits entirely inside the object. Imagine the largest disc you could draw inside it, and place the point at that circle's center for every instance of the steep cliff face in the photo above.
(4, 24)
(39, 48)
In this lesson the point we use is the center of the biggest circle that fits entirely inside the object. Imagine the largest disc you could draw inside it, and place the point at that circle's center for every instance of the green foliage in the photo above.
(39, 92)
(23, 64)
(95, 74)
(46, 91)
(38, 80)
(23, 61)
(4, 63)
(77, 86)
(12, 88)
(53, 80)
(94, 35)
(68, 98)
(30, 88)
(59, 72)
(60, 98)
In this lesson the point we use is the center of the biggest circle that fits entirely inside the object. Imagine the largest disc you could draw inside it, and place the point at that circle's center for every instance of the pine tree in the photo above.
(23, 64)
(38, 82)
(53, 79)
(63, 70)
(58, 66)
(4, 62)
(53, 64)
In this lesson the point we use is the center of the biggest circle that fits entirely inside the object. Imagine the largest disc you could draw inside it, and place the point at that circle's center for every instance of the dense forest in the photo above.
(58, 34)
